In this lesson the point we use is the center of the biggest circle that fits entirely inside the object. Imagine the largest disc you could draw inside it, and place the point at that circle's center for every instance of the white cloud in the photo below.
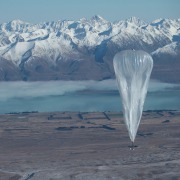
(20, 89)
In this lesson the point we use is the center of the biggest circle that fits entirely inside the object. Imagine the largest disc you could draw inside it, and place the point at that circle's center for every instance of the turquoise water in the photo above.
(81, 96)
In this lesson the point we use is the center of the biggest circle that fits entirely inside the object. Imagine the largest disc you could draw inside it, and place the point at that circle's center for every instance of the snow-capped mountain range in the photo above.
(84, 49)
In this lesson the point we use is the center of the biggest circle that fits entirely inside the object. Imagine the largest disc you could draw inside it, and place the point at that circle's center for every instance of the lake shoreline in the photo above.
(63, 112)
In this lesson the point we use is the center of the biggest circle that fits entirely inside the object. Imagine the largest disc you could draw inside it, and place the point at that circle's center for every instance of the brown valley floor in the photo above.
(88, 146)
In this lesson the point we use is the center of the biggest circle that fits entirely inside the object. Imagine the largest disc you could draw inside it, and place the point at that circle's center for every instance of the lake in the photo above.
(84, 96)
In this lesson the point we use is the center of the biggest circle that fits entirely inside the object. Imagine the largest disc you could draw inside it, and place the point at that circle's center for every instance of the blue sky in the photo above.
(35, 11)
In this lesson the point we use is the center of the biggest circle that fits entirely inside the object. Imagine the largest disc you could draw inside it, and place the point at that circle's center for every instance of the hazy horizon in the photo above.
(33, 11)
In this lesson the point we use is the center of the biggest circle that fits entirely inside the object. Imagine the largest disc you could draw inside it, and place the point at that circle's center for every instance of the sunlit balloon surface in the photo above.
(132, 69)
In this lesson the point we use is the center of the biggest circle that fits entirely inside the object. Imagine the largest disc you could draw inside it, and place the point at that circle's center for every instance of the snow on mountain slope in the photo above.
(55, 48)
(166, 27)
(167, 63)
(91, 41)
(170, 49)
(39, 34)
(14, 26)
(93, 32)
(19, 52)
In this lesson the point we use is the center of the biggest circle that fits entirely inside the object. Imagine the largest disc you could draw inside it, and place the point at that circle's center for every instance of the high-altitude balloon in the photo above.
(132, 70)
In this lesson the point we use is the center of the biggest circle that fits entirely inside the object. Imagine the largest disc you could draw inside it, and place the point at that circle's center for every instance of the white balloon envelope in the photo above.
(132, 70)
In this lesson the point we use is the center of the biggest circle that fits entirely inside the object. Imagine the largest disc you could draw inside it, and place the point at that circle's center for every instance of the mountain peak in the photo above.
(14, 25)
(17, 21)
(98, 18)
(133, 18)
(157, 21)
(136, 21)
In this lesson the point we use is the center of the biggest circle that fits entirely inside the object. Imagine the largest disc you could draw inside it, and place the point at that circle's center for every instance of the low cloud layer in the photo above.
(84, 96)
(22, 89)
